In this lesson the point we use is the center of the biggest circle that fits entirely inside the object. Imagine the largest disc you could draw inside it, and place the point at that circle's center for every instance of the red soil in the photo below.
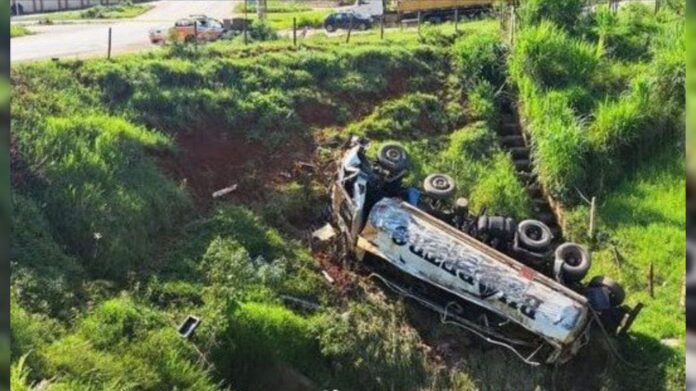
(209, 160)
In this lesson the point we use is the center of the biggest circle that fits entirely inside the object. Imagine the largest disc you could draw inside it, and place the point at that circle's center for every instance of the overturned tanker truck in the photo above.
(506, 282)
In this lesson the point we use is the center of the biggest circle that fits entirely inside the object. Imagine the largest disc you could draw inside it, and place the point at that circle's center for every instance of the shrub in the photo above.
(481, 103)
(29, 334)
(500, 191)
(261, 31)
(563, 13)
(44, 278)
(259, 337)
(371, 347)
(627, 34)
(475, 142)
(411, 116)
(118, 321)
(479, 57)
(558, 142)
(552, 58)
(107, 200)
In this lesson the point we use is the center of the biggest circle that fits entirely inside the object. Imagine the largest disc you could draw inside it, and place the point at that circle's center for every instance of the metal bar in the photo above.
(350, 28)
(108, 53)
(456, 20)
(294, 31)
(381, 27)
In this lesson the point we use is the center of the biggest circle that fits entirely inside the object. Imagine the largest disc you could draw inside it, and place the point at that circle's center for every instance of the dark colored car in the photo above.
(343, 20)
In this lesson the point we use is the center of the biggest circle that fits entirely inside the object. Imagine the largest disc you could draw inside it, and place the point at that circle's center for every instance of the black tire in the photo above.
(330, 28)
(576, 261)
(614, 289)
(393, 157)
(439, 186)
(534, 235)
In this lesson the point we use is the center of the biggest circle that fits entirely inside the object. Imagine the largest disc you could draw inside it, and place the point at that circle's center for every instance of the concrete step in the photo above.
(523, 165)
(547, 218)
(509, 128)
(519, 152)
(527, 177)
(534, 190)
(513, 140)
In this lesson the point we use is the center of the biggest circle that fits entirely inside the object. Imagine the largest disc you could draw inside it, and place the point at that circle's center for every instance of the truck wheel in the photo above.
(439, 186)
(575, 260)
(393, 157)
(534, 234)
(615, 290)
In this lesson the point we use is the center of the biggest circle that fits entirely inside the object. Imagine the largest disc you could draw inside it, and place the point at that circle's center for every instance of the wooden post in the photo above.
(246, 20)
(651, 281)
(593, 212)
(456, 20)
(195, 34)
(381, 27)
(108, 53)
(294, 31)
(419, 23)
(350, 28)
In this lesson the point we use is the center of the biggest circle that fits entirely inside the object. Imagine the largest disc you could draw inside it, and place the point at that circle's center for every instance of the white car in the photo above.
(158, 35)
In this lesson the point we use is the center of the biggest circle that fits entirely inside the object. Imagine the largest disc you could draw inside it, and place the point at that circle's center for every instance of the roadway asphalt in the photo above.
(89, 39)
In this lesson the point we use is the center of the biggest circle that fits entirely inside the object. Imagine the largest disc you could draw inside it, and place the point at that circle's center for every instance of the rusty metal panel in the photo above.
(424, 249)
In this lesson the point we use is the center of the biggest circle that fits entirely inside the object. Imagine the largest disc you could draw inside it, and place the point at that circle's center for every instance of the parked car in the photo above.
(513, 275)
(344, 20)
(195, 27)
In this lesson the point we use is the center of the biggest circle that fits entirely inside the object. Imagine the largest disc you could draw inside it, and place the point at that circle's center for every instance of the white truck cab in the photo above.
(372, 8)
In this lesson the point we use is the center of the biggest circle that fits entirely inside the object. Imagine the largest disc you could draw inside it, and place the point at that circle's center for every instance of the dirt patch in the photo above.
(344, 282)
(212, 159)
(317, 114)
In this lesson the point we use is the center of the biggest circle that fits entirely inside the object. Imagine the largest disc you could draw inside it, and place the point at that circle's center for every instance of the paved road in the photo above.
(90, 39)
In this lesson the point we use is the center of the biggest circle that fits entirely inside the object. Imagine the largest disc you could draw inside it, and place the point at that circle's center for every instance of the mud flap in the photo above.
(628, 319)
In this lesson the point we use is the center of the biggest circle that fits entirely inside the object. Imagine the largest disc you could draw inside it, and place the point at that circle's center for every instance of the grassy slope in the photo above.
(207, 258)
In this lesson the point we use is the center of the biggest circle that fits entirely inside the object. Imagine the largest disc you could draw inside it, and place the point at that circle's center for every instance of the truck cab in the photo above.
(371, 8)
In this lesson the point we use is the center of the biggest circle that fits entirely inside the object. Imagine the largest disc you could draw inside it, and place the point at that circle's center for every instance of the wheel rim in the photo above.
(534, 233)
(574, 257)
(440, 183)
(393, 154)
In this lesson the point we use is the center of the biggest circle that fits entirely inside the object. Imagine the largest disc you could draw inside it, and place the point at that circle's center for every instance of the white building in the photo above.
(21, 7)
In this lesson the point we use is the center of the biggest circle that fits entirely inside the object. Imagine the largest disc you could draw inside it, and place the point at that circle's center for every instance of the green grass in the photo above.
(643, 218)
(125, 11)
(274, 6)
(18, 30)
(284, 20)
(95, 138)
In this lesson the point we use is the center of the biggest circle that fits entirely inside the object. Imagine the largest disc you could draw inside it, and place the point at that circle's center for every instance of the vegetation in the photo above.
(18, 30)
(305, 18)
(125, 10)
(118, 239)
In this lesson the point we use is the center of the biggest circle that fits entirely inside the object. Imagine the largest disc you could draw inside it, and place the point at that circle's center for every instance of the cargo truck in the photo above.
(507, 282)
(430, 10)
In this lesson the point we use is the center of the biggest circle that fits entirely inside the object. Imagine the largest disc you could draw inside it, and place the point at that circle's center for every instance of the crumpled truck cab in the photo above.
(420, 235)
